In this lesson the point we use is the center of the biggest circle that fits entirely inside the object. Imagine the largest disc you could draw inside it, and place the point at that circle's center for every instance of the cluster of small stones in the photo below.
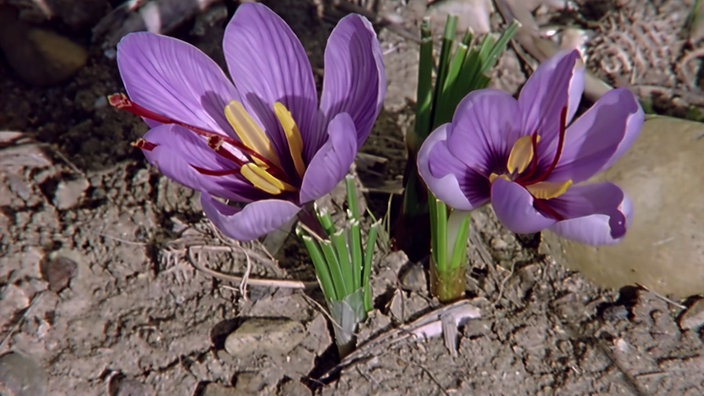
(645, 42)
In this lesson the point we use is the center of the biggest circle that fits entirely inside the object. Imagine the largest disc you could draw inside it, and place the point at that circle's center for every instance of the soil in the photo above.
(99, 294)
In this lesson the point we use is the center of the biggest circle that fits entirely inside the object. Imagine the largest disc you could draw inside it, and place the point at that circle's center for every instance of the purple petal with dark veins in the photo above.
(268, 64)
(176, 153)
(175, 79)
(484, 129)
(513, 205)
(354, 81)
(332, 162)
(558, 82)
(595, 214)
(595, 139)
(449, 178)
(250, 222)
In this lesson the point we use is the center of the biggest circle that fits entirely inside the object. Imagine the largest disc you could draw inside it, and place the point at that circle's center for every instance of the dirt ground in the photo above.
(99, 293)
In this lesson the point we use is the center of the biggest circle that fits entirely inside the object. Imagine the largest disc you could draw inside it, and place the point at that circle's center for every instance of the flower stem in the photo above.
(449, 233)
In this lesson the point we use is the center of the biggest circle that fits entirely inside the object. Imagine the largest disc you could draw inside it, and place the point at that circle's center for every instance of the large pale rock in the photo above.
(664, 247)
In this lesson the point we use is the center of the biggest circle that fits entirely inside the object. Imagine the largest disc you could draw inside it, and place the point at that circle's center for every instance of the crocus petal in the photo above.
(354, 81)
(449, 178)
(250, 222)
(176, 153)
(174, 79)
(332, 161)
(558, 82)
(600, 136)
(268, 64)
(484, 128)
(513, 205)
(596, 214)
(634, 124)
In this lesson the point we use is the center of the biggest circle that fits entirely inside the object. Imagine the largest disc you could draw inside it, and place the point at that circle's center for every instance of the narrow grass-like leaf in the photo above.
(339, 242)
(459, 250)
(424, 92)
(338, 279)
(352, 203)
(456, 62)
(441, 221)
(321, 267)
(355, 239)
(325, 220)
(438, 113)
(368, 256)
(500, 46)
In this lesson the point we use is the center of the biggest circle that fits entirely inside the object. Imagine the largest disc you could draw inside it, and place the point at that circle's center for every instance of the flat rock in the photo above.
(264, 336)
(39, 57)
(215, 389)
(693, 317)
(58, 272)
(21, 376)
(70, 193)
(664, 247)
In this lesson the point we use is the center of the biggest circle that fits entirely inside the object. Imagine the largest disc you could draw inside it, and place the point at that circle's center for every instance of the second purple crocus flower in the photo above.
(526, 157)
(261, 146)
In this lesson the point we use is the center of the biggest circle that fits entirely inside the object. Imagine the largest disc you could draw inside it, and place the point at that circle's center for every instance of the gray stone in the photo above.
(215, 389)
(69, 193)
(21, 376)
(693, 317)
(40, 57)
(413, 277)
(264, 336)
(58, 272)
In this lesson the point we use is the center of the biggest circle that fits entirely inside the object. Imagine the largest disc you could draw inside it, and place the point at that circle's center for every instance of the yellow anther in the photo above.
(521, 155)
(548, 190)
(293, 136)
(264, 180)
(249, 132)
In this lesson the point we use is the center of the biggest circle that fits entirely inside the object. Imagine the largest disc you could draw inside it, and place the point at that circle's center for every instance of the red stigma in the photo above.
(143, 144)
(526, 180)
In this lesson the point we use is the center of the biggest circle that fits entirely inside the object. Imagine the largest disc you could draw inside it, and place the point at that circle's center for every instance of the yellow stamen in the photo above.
(264, 180)
(249, 132)
(521, 155)
(548, 190)
(293, 136)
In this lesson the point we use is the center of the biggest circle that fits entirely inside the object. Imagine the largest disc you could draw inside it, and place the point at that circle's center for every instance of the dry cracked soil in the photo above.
(99, 290)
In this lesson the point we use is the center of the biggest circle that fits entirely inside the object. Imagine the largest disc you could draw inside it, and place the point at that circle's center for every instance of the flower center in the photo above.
(253, 155)
(522, 165)
(267, 176)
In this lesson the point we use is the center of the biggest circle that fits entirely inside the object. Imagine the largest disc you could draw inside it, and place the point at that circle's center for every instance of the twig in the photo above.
(245, 276)
(660, 296)
(282, 283)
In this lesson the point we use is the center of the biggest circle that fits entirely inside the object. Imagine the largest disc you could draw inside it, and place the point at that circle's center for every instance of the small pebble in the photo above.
(693, 317)
(69, 193)
(58, 272)
(413, 277)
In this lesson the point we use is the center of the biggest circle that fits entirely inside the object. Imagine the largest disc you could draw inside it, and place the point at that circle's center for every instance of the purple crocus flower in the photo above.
(525, 157)
(258, 147)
